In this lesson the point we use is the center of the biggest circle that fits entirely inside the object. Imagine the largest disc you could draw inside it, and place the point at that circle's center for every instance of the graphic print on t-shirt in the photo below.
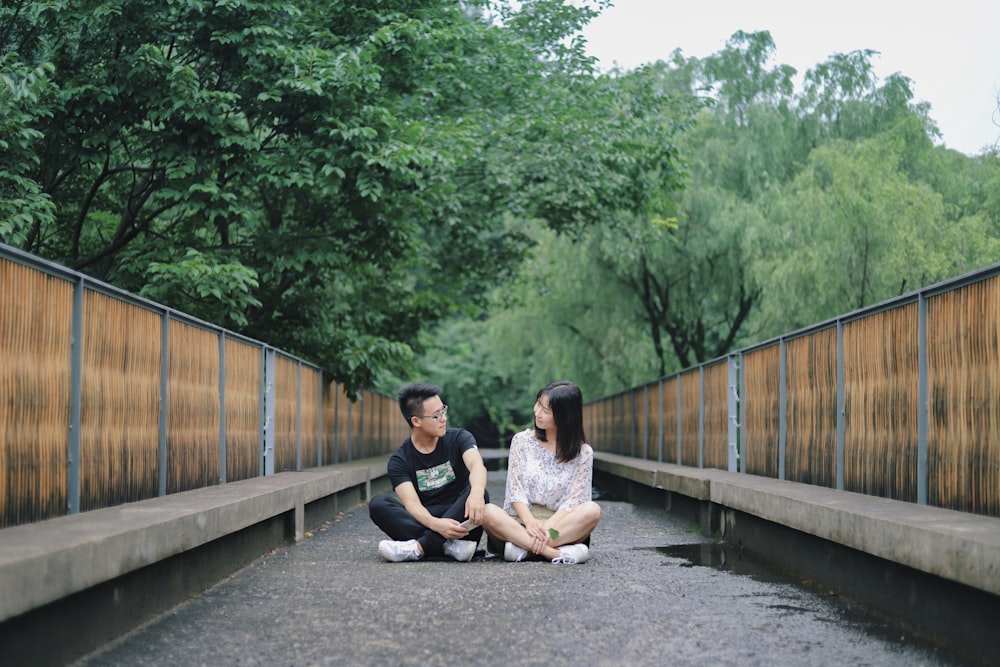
(429, 479)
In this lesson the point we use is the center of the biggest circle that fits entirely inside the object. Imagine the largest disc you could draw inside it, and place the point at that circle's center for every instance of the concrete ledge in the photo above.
(957, 546)
(51, 560)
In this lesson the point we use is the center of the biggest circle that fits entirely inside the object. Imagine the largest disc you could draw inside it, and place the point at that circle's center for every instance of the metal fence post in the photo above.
(782, 406)
(76, 398)
(164, 401)
(269, 412)
(680, 420)
(923, 401)
(743, 417)
(633, 430)
(336, 427)
(841, 406)
(362, 439)
(319, 419)
(222, 408)
(659, 431)
(645, 421)
(701, 416)
(733, 407)
(298, 416)
(350, 431)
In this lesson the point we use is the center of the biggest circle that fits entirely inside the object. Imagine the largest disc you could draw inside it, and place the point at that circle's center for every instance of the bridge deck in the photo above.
(330, 600)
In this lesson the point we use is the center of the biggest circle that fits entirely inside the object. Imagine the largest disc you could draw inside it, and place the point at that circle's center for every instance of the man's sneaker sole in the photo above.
(398, 552)
(460, 550)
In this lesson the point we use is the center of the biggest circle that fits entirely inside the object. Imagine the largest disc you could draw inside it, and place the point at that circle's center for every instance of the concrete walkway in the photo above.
(329, 600)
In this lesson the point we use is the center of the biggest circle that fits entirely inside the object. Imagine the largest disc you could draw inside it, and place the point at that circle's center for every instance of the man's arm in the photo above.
(447, 528)
(475, 506)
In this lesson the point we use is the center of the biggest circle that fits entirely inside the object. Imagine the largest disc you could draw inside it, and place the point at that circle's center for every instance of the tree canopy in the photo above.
(331, 177)
(451, 190)
(789, 207)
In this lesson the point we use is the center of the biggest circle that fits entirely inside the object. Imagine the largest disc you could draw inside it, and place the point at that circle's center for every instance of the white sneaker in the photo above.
(513, 553)
(396, 552)
(461, 550)
(572, 554)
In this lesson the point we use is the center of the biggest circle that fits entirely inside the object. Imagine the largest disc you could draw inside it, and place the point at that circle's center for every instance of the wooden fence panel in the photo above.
(286, 377)
(192, 408)
(963, 359)
(244, 370)
(120, 402)
(716, 453)
(811, 440)
(649, 412)
(760, 411)
(690, 417)
(310, 415)
(331, 396)
(346, 416)
(880, 404)
(670, 420)
(35, 345)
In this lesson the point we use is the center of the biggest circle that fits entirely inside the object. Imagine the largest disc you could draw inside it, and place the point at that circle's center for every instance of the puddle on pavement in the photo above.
(721, 557)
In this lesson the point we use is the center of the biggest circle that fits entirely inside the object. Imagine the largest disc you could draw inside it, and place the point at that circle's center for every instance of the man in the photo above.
(439, 480)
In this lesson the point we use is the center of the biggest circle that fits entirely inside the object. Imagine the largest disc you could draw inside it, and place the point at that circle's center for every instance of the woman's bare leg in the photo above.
(574, 526)
(506, 528)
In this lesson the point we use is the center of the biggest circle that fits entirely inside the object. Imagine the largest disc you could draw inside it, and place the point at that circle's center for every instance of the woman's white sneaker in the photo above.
(572, 554)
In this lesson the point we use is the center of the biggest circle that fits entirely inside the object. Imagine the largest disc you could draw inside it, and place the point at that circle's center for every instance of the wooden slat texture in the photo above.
(243, 434)
(35, 345)
(690, 416)
(963, 358)
(811, 441)
(880, 404)
(346, 416)
(285, 388)
(310, 415)
(192, 408)
(760, 411)
(670, 420)
(120, 405)
(649, 433)
(331, 395)
(717, 416)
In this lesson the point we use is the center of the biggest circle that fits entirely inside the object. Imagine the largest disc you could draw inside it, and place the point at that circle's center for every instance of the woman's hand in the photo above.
(538, 533)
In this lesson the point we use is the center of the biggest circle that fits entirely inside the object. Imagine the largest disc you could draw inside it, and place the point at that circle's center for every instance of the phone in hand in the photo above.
(469, 524)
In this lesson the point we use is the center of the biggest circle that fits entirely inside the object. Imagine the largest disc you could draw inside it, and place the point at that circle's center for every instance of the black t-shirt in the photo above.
(439, 477)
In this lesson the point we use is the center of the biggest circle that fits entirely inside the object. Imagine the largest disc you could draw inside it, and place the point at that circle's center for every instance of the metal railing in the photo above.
(900, 400)
(107, 398)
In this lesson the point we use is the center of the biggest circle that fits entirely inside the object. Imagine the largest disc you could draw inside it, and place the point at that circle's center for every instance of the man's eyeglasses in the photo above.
(439, 415)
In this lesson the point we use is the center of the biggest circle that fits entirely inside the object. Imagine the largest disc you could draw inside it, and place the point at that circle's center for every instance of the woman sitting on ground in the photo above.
(548, 509)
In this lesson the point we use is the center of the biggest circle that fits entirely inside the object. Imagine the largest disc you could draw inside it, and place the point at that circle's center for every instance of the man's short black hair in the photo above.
(412, 397)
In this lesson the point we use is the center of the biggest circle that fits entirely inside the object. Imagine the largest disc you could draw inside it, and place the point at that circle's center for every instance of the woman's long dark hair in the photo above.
(566, 403)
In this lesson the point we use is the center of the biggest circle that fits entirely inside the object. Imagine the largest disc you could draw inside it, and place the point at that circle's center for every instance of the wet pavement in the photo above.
(655, 592)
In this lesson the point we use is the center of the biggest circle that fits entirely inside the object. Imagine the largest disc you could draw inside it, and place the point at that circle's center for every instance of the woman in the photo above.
(550, 469)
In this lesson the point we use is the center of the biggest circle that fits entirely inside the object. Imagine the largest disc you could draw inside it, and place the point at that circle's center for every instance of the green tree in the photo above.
(852, 230)
(330, 178)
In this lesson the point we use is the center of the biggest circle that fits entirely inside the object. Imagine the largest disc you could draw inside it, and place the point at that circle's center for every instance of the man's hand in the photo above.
(475, 508)
(450, 529)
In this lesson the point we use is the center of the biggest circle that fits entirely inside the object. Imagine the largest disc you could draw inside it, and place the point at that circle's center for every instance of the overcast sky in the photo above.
(950, 49)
